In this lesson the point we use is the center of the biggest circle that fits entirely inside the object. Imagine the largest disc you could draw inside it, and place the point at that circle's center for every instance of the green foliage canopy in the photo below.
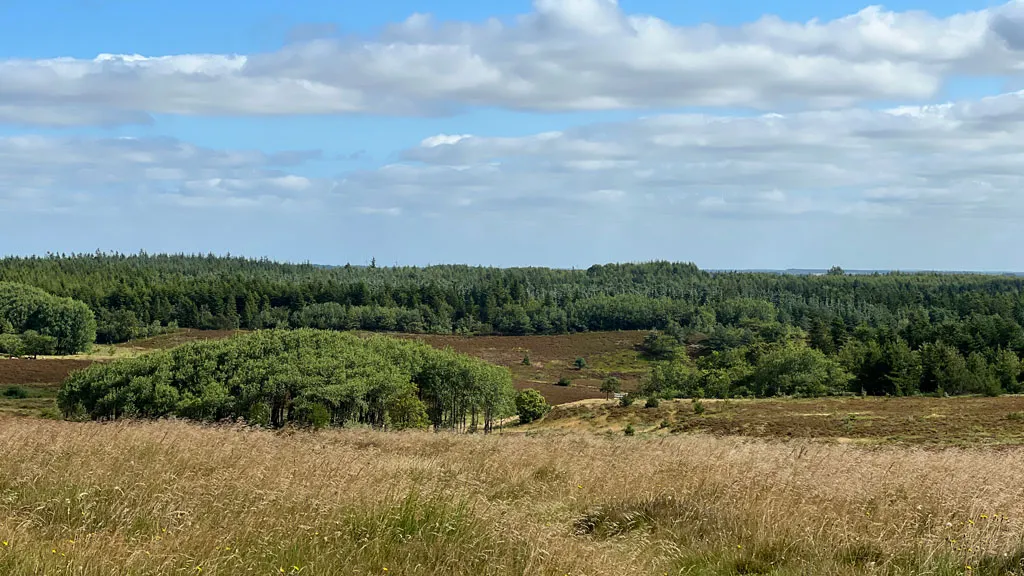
(304, 376)
(531, 406)
(49, 324)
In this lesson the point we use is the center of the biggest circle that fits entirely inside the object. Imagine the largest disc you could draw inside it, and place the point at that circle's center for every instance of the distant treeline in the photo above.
(274, 377)
(862, 322)
(35, 322)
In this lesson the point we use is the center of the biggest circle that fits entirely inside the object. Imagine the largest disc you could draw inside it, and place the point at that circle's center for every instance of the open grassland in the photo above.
(29, 387)
(41, 371)
(967, 421)
(172, 498)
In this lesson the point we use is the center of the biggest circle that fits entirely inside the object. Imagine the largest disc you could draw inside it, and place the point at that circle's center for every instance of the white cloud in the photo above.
(443, 139)
(40, 173)
(564, 55)
(946, 160)
(950, 160)
(393, 211)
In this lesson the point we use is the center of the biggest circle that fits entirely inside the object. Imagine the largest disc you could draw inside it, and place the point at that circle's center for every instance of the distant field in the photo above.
(38, 380)
(41, 371)
(552, 357)
(968, 421)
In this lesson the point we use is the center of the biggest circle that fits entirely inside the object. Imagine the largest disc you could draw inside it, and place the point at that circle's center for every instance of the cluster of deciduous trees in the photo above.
(35, 322)
(752, 354)
(273, 377)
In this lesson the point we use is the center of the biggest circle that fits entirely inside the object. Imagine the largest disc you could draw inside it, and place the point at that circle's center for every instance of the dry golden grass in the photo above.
(174, 498)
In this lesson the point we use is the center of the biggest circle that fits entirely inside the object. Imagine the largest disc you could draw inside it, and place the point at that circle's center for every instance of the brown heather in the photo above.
(173, 498)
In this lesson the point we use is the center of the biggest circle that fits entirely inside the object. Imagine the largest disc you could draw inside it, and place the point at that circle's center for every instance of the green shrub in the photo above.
(77, 413)
(1017, 416)
(50, 414)
(531, 406)
(259, 415)
(408, 412)
(314, 415)
(319, 416)
(626, 400)
(11, 344)
(652, 402)
(354, 380)
(659, 346)
(564, 381)
(610, 386)
(580, 363)
(35, 343)
(698, 407)
(15, 392)
(526, 359)
(629, 430)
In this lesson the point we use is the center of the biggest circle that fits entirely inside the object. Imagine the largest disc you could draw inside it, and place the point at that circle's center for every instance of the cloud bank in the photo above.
(906, 161)
(565, 55)
(788, 128)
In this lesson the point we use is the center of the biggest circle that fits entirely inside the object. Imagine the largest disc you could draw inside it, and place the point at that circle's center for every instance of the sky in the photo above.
(732, 134)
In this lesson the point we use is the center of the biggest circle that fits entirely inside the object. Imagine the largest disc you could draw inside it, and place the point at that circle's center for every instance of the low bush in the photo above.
(15, 392)
(531, 406)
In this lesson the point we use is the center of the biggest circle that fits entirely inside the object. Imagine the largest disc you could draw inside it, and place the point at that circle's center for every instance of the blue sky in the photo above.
(555, 132)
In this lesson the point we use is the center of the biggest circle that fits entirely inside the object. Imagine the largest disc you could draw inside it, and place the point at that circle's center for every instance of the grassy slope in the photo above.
(962, 421)
(171, 498)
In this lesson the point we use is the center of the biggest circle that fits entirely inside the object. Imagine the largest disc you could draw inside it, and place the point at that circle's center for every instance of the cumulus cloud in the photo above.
(953, 159)
(563, 55)
(41, 173)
